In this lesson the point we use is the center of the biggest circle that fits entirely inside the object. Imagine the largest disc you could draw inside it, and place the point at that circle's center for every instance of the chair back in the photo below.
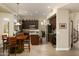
(4, 37)
(12, 41)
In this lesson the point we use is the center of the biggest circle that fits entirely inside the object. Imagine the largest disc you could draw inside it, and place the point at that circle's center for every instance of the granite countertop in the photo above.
(34, 32)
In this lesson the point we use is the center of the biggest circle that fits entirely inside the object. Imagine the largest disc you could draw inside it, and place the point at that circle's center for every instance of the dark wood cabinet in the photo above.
(27, 24)
(34, 39)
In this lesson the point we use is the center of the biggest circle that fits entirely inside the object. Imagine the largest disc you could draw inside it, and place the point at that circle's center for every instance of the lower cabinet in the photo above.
(35, 39)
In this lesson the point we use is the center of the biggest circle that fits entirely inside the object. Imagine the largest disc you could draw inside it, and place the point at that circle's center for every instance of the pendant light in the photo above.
(17, 15)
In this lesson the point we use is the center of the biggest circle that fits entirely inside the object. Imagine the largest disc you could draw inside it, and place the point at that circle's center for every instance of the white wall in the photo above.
(2, 22)
(42, 27)
(62, 35)
(52, 13)
(75, 18)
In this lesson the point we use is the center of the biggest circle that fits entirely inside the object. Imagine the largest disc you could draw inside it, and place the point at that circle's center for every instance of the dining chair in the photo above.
(24, 39)
(27, 42)
(12, 45)
(20, 38)
(5, 42)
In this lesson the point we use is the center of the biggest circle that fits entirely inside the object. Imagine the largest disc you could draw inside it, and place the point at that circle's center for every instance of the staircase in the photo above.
(74, 36)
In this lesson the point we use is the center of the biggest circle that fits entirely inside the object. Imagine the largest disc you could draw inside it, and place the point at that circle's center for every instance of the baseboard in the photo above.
(62, 49)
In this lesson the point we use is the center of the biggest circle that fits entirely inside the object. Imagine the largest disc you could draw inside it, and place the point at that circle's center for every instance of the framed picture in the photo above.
(62, 25)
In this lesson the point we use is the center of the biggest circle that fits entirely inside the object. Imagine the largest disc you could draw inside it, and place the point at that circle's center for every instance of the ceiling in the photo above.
(33, 10)
(4, 9)
(73, 7)
(36, 10)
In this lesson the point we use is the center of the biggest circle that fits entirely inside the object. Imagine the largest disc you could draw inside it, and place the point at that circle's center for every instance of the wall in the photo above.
(75, 18)
(2, 22)
(42, 27)
(62, 35)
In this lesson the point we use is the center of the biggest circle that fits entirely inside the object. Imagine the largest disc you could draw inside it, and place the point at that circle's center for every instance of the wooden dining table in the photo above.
(20, 43)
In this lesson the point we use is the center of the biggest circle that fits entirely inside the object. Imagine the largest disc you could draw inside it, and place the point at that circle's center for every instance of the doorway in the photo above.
(52, 30)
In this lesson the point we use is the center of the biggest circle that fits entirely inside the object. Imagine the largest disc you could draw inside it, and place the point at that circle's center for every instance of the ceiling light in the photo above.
(17, 15)
(17, 23)
(6, 19)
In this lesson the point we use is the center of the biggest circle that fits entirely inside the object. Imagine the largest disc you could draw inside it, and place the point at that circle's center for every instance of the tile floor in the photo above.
(45, 50)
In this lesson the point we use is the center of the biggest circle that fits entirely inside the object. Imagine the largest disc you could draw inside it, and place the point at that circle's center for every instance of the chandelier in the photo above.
(17, 15)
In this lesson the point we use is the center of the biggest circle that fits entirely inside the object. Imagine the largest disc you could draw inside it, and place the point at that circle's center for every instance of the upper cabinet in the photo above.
(30, 24)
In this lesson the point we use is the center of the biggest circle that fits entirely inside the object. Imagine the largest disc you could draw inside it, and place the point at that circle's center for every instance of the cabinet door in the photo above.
(35, 39)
